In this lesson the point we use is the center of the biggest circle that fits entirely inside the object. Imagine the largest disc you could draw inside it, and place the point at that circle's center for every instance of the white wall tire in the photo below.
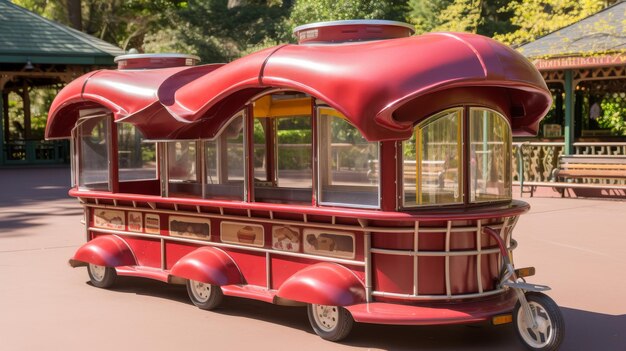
(332, 323)
(101, 276)
(203, 295)
(550, 325)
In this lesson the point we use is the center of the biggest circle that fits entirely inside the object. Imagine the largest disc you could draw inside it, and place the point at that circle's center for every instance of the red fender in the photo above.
(324, 284)
(107, 250)
(208, 265)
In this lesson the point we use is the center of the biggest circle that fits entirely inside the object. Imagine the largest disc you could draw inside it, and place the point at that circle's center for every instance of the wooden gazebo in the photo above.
(583, 64)
(38, 53)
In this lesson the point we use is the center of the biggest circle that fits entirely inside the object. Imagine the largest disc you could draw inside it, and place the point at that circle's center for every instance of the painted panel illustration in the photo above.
(153, 223)
(135, 221)
(286, 238)
(328, 243)
(190, 227)
(109, 219)
(242, 233)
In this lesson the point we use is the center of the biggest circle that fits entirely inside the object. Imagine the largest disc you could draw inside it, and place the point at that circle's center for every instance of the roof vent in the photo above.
(350, 31)
(151, 61)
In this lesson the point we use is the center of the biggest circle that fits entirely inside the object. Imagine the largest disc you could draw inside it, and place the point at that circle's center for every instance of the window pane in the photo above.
(260, 148)
(349, 164)
(225, 163)
(94, 154)
(182, 169)
(432, 164)
(294, 152)
(490, 152)
(136, 159)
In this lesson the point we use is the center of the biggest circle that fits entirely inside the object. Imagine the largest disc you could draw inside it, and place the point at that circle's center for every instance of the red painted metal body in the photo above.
(324, 284)
(428, 265)
(108, 250)
(380, 100)
(208, 265)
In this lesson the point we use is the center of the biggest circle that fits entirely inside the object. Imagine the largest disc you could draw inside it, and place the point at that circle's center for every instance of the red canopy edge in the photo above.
(383, 87)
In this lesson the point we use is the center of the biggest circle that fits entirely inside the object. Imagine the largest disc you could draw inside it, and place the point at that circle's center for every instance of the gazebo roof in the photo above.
(600, 33)
(26, 36)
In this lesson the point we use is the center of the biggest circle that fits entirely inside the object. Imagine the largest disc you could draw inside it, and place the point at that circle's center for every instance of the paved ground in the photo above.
(577, 245)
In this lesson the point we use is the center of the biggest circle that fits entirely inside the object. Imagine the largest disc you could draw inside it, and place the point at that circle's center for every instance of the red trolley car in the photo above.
(364, 172)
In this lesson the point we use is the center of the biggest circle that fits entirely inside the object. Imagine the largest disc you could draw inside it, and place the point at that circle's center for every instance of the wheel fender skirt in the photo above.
(208, 265)
(324, 284)
(106, 250)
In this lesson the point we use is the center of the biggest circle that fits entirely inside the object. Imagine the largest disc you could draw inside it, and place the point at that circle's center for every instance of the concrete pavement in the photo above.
(578, 247)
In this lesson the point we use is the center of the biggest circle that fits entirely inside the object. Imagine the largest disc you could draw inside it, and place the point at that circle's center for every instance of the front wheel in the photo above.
(548, 334)
(332, 323)
(101, 276)
(203, 295)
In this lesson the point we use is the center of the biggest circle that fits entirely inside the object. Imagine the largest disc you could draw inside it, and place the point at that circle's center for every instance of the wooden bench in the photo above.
(432, 172)
(577, 167)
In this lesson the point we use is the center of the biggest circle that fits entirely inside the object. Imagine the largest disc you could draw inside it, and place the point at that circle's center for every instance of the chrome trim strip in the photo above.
(479, 246)
(435, 297)
(148, 56)
(353, 22)
(447, 260)
(367, 238)
(416, 258)
(513, 246)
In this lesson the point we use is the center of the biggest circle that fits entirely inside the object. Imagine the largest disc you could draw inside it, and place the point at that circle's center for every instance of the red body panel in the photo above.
(507, 209)
(433, 314)
(324, 284)
(106, 250)
(208, 265)
(430, 73)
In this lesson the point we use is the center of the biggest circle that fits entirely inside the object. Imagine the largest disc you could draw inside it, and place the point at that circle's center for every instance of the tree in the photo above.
(222, 30)
(535, 18)
(476, 16)
(121, 22)
(308, 11)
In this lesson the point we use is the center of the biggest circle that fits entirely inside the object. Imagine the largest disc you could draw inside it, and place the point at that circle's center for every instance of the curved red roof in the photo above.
(383, 87)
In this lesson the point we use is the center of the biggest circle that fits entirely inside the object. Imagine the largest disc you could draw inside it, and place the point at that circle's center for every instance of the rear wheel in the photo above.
(548, 334)
(331, 323)
(203, 295)
(101, 276)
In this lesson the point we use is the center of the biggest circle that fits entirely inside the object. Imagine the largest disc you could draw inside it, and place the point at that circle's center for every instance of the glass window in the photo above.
(283, 151)
(432, 161)
(93, 162)
(183, 170)
(294, 152)
(490, 156)
(225, 163)
(348, 164)
(136, 158)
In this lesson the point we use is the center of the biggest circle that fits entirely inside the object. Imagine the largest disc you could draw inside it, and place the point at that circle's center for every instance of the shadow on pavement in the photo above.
(21, 186)
(584, 330)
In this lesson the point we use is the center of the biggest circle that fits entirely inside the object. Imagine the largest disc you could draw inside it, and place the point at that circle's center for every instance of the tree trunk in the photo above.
(74, 14)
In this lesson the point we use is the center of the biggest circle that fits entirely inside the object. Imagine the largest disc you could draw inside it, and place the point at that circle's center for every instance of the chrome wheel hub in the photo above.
(326, 317)
(97, 272)
(542, 334)
(201, 291)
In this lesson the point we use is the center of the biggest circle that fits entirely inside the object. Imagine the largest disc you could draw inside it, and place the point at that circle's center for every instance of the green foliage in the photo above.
(307, 11)
(614, 110)
(535, 18)
(294, 136)
(477, 16)
(220, 32)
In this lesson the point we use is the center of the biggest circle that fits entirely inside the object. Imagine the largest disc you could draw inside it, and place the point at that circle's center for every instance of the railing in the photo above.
(534, 162)
(35, 152)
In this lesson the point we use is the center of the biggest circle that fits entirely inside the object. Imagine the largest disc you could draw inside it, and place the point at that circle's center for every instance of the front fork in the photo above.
(513, 279)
